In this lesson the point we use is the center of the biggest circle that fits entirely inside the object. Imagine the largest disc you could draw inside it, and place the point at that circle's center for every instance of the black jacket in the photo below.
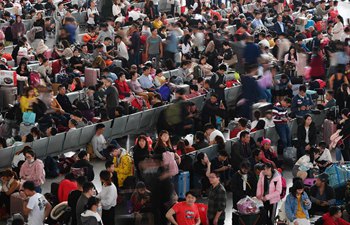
(90, 169)
(239, 153)
(302, 135)
(237, 186)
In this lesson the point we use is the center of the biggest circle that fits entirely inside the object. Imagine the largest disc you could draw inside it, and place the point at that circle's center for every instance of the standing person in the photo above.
(35, 206)
(112, 98)
(140, 153)
(280, 119)
(134, 48)
(338, 29)
(298, 204)
(269, 189)
(301, 103)
(306, 135)
(91, 216)
(33, 170)
(345, 132)
(217, 82)
(216, 201)
(88, 192)
(18, 30)
(154, 46)
(74, 196)
(108, 196)
(186, 212)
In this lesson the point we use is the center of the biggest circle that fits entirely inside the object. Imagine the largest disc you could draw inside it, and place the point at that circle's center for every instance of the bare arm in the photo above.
(170, 216)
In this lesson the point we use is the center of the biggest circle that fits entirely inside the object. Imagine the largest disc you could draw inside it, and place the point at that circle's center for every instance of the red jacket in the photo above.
(65, 187)
(317, 67)
(328, 220)
(123, 89)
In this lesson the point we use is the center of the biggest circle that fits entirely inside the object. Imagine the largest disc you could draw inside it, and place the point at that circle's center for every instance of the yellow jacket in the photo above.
(124, 167)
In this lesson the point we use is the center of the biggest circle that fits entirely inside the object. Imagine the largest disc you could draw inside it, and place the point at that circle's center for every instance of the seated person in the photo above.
(83, 163)
(199, 141)
(221, 165)
(78, 116)
(333, 217)
(241, 150)
(303, 168)
(193, 91)
(10, 185)
(322, 195)
(63, 99)
(159, 79)
(267, 154)
(325, 158)
(99, 142)
(241, 126)
(123, 88)
(211, 110)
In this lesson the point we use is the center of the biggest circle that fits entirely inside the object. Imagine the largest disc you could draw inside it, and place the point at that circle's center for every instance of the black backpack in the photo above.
(320, 221)
(51, 167)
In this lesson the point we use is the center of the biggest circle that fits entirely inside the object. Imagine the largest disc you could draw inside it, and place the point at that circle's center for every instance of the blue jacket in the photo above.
(292, 206)
(298, 102)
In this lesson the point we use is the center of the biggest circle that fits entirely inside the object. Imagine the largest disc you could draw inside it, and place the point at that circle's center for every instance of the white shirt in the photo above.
(90, 11)
(326, 156)
(268, 123)
(116, 9)
(108, 196)
(98, 144)
(37, 203)
(214, 134)
(307, 135)
(122, 50)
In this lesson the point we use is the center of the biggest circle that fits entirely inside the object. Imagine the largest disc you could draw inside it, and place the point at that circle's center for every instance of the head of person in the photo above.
(321, 180)
(203, 158)
(190, 198)
(141, 188)
(322, 146)
(100, 128)
(222, 69)
(302, 90)
(146, 70)
(28, 188)
(214, 178)
(199, 137)
(7, 175)
(93, 204)
(72, 123)
(29, 92)
(266, 144)
(88, 189)
(30, 156)
(114, 150)
(244, 136)
(244, 167)
(83, 155)
(286, 102)
(307, 120)
(180, 93)
(213, 98)
(105, 177)
(297, 188)
(209, 128)
(109, 165)
(164, 137)
(269, 169)
(268, 114)
(81, 180)
(329, 95)
(62, 89)
(108, 82)
(335, 212)
(142, 142)
(222, 155)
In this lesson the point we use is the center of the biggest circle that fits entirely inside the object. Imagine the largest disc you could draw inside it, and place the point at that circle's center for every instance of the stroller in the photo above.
(60, 214)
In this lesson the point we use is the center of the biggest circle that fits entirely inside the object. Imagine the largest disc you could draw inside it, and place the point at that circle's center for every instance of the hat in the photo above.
(265, 141)
(323, 177)
(3, 60)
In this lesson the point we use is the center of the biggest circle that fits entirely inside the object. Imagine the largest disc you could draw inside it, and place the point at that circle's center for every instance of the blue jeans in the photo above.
(338, 154)
(284, 133)
(135, 58)
(156, 11)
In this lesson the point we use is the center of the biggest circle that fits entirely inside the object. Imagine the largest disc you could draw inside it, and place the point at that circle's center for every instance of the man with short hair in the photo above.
(99, 142)
(74, 196)
(88, 192)
(218, 82)
(186, 212)
(302, 103)
(83, 162)
(331, 102)
(112, 98)
(216, 201)
(211, 133)
(35, 205)
(280, 119)
(63, 99)
(211, 109)
(146, 79)
(241, 150)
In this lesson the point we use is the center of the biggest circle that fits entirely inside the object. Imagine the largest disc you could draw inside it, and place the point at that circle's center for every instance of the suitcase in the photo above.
(118, 63)
(91, 75)
(24, 129)
(290, 155)
(338, 175)
(329, 128)
(309, 182)
(182, 184)
(8, 96)
(29, 57)
(16, 204)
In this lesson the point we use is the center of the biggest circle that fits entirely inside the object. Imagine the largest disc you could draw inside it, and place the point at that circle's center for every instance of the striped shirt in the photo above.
(217, 201)
(279, 113)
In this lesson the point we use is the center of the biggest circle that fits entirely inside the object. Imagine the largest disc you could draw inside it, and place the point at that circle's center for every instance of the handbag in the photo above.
(28, 117)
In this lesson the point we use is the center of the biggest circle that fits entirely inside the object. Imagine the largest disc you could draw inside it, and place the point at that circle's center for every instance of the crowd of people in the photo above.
(292, 56)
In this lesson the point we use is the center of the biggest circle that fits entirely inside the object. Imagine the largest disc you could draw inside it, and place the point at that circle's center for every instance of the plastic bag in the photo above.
(247, 206)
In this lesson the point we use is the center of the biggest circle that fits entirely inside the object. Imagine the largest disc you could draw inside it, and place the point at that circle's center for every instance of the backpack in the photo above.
(8, 34)
(186, 163)
(284, 187)
(51, 167)
(319, 221)
(173, 114)
(165, 92)
(197, 72)
(34, 78)
(65, 164)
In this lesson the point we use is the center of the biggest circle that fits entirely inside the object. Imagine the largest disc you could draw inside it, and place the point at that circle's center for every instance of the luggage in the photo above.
(117, 63)
(24, 129)
(28, 118)
(329, 128)
(182, 184)
(338, 175)
(16, 204)
(65, 164)
(309, 182)
(91, 75)
(8, 96)
(51, 167)
(8, 78)
(290, 155)
(296, 80)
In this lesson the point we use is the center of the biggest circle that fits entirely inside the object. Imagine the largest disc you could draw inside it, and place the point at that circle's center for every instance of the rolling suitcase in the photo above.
(91, 75)
(8, 96)
(118, 63)
(182, 184)
(24, 129)
(329, 128)
(16, 204)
